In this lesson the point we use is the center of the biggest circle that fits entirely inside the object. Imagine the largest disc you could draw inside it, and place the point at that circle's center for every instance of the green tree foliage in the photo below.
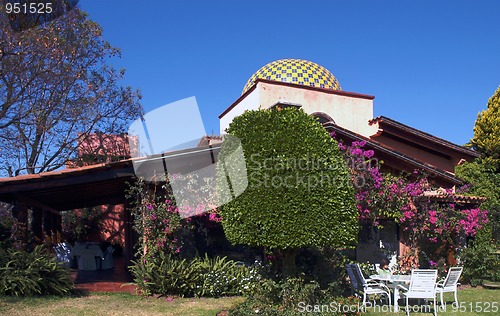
(484, 173)
(56, 88)
(486, 138)
(485, 181)
(299, 190)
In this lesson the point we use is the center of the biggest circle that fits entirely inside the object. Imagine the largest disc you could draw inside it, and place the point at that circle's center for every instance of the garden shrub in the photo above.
(165, 275)
(296, 290)
(169, 275)
(250, 283)
(290, 297)
(326, 266)
(348, 306)
(220, 276)
(32, 273)
(297, 193)
(480, 263)
(266, 291)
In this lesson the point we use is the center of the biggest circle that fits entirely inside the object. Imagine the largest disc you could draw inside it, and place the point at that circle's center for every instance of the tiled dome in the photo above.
(297, 71)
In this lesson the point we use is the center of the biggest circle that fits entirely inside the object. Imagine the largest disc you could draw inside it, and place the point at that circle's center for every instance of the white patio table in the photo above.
(393, 281)
(86, 254)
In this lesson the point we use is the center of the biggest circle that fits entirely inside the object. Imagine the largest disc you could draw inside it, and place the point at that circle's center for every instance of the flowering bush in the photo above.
(431, 225)
(156, 219)
(161, 220)
(377, 195)
(160, 269)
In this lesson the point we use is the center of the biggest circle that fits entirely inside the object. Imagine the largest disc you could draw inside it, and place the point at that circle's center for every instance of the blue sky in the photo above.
(430, 64)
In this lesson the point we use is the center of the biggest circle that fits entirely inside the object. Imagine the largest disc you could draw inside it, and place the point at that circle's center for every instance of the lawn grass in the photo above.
(114, 304)
(472, 301)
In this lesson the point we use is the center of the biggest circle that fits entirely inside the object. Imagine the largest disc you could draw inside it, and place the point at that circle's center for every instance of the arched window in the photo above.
(323, 117)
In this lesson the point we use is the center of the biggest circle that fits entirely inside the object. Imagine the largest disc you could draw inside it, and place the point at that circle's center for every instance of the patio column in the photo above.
(47, 223)
(36, 225)
(19, 231)
(129, 234)
(56, 226)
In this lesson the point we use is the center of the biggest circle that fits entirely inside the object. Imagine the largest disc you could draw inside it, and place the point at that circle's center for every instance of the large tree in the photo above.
(57, 87)
(299, 191)
(486, 138)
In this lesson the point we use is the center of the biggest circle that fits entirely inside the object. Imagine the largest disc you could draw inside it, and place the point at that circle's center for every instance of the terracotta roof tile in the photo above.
(439, 196)
(64, 172)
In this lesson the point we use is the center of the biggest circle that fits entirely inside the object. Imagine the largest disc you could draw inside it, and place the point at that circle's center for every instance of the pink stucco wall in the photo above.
(108, 145)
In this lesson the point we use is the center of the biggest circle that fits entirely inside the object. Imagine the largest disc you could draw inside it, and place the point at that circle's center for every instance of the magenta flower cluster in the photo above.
(472, 220)
(161, 220)
(384, 196)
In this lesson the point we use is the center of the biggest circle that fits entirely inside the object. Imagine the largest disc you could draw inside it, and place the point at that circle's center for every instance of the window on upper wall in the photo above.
(323, 117)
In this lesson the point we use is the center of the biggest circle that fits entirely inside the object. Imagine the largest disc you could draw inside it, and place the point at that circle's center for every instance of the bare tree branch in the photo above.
(56, 88)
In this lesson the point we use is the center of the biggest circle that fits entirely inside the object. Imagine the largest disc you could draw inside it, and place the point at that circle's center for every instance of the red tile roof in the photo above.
(439, 196)
(66, 172)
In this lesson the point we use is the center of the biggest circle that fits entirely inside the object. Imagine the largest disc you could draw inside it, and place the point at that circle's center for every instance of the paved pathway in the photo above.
(113, 280)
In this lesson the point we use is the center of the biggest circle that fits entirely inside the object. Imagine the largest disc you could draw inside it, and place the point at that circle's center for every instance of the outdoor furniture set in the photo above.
(421, 284)
(89, 256)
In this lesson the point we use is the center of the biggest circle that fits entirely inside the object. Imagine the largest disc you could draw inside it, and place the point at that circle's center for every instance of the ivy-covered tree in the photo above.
(57, 87)
(299, 190)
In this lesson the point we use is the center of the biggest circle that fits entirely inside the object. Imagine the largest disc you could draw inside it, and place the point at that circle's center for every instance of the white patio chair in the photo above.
(422, 286)
(449, 284)
(63, 254)
(359, 285)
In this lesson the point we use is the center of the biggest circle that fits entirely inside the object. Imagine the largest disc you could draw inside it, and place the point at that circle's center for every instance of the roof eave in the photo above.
(378, 146)
(436, 140)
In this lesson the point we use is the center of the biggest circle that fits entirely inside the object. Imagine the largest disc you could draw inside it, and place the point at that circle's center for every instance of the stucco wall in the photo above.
(250, 102)
(347, 111)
